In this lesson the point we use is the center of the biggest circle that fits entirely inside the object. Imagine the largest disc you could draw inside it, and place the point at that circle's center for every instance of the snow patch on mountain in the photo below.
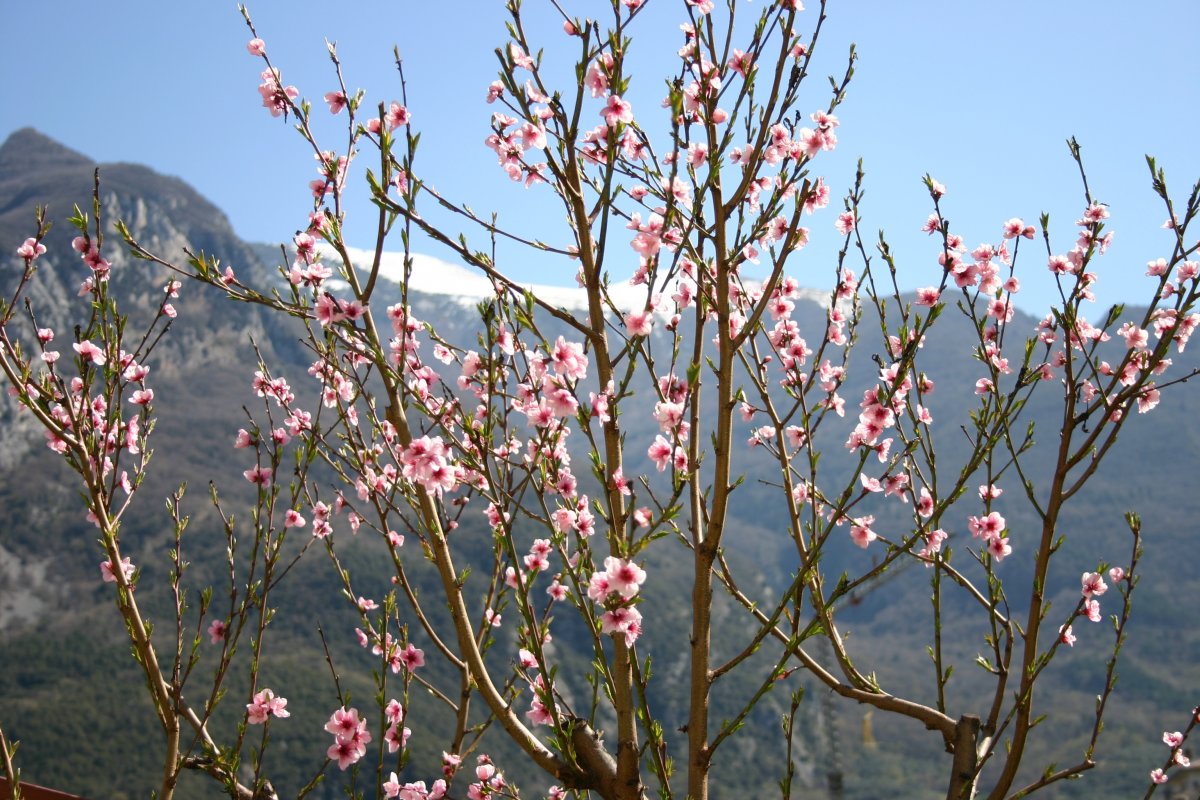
(467, 287)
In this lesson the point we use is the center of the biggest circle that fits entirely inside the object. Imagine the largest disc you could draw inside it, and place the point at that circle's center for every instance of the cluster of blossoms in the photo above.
(409, 658)
(351, 737)
(414, 790)
(307, 269)
(982, 271)
(93, 428)
(80, 419)
(1093, 586)
(332, 170)
(1174, 740)
(992, 529)
(97, 263)
(1072, 263)
(881, 405)
(547, 396)
(512, 138)
(615, 588)
(105, 425)
(276, 97)
(670, 413)
(425, 461)
(266, 704)
(539, 712)
(489, 780)
(395, 117)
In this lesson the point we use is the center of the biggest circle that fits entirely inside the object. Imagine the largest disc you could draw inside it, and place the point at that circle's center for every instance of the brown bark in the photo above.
(965, 765)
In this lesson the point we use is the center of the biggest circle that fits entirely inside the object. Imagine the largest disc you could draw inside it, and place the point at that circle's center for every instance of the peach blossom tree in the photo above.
(591, 441)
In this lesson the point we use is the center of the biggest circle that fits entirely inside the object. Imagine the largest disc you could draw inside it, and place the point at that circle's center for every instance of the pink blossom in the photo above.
(623, 620)
(1066, 636)
(336, 100)
(933, 543)
(1093, 584)
(989, 491)
(928, 296)
(31, 249)
(844, 223)
(569, 359)
(266, 704)
(925, 503)
(999, 548)
(412, 657)
(660, 453)
(256, 47)
(1014, 228)
(91, 352)
(639, 323)
(345, 753)
(597, 74)
(617, 111)
(396, 737)
(343, 723)
(259, 476)
(538, 713)
(276, 98)
(520, 57)
(624, 577)
(106, 570)
(397, 116)
(1148, 399)
(861, 533)
(1061, 265)
(741, 62)
(987, 527)
(216, 631)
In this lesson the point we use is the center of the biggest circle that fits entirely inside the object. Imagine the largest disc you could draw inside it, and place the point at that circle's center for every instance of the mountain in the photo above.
(68, 687)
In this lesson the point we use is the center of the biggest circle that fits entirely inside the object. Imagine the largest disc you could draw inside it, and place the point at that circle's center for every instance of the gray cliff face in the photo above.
(163, 213)
(205, 355)
(166, 216)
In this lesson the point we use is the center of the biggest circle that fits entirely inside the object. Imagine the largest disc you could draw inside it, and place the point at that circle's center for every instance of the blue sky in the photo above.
(980, 95)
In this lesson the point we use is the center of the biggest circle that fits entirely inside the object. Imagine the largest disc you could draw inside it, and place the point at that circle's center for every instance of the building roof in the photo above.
(31, 791)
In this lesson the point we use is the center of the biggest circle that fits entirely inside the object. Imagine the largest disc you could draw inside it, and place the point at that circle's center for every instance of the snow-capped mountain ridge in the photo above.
(431, 275)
